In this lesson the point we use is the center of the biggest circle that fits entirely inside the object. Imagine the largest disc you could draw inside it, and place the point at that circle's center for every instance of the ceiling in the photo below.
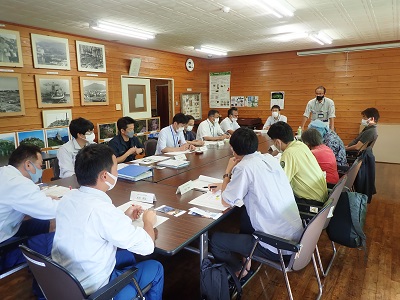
(246, 29)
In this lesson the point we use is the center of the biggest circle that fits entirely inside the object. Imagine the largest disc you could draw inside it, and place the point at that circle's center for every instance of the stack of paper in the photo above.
(174, 163)
(139, 222)
(134, 172)
(210, 200)
(150, 160)
(201, 183)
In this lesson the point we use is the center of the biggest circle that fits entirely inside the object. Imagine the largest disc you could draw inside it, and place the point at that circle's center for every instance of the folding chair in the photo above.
(352, 173)
(303, 251)
(57, 283)
(6, 247)
(56, 169)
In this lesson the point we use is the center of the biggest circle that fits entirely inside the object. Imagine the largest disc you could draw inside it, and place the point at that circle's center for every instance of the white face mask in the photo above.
(234, 119)
(275, 114)
(90, 138)
(189, 128)
(111, 185)
(364, 122)
(180, 129)
(216, 120)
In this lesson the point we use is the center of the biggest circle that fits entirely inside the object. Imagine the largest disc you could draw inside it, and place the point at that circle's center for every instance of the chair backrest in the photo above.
(335, 195)
(55, 281)
(310, 237)
(352, 172)
(56, 169)
(150, 147)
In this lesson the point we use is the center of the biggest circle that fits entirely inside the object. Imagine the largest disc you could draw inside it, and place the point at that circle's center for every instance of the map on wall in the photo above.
(220, 89)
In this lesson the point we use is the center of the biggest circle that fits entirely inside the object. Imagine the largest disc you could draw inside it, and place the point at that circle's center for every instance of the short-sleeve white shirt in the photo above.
(168, 137)
(89, 231)
(266, 192)
(228, 124)
(322, 111)
(66, 155)
(20, 197)
(206, 128)
(271, 120)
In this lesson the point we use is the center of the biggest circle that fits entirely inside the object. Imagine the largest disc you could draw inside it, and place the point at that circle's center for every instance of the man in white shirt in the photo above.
(90, 229)
(321, 108)
(229, 124)
(171, 138)
(261, 183)
(20, 196)
(82, 135)
(275, 117)
(209, 129)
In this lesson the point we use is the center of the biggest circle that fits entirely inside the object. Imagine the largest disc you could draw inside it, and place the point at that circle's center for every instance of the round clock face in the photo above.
(189, 64)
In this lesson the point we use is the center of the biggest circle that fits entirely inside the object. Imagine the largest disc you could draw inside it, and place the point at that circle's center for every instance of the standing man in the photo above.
(82, 135)
(321, 108)
(125, 145)
(171, 138)
(209, 129)
(274, 117)
(229, 124)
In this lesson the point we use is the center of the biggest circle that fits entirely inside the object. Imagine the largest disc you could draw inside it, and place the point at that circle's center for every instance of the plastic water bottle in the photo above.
(299, 131)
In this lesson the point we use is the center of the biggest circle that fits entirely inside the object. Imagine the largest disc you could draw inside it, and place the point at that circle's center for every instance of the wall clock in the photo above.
(189, 64)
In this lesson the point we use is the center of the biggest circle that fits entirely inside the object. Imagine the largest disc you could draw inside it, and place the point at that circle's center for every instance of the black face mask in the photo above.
(319, 98)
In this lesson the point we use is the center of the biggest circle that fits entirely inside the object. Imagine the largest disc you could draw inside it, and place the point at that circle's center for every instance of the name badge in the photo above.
(180, 157)
(320, 116)
(143, 197)
(183, 188)
(220, 143)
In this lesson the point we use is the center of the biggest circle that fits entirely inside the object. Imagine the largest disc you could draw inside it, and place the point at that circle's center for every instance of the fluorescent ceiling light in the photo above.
(324, 38)
(315, 39)
(211, 51)
(122, 30)
(276, 8)
(287, 37)
(349, 49)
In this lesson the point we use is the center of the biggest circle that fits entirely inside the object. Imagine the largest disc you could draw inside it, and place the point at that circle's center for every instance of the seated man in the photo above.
(260, 182)
(190, 137)
(300, 165)
(82, 135)
(229, 124)
(171, 137)
(125, 145)
(324, 155)
(209, 129)
(275, 117)
(370, 117)
(20, 196)
(90, 229)
(333, 141)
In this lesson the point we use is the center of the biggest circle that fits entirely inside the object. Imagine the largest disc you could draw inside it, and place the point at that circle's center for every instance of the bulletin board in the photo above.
(191, 104)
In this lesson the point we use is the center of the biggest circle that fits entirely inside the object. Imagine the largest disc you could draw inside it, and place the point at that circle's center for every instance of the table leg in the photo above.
(203, 246)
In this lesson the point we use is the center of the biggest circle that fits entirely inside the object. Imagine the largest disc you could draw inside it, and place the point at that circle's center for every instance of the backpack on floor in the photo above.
(214, 284)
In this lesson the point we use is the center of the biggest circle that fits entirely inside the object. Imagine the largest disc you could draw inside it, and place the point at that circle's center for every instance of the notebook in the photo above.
(134, 172)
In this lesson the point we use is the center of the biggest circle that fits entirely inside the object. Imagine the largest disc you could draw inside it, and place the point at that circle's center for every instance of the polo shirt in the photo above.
(168, 137)
(304, 173)
(322, 111)
(228, 124)
(368, 134)
(119, 146)
(206, 128)
(271, 120)
(327, 161)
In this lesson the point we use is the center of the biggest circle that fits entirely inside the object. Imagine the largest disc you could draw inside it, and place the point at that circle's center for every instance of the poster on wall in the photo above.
(220, 87)
(191, 104)
(252, 101)
(237, 101)
(278, 98)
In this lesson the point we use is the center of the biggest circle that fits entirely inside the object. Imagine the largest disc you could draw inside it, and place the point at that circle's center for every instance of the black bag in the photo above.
(214, 283)
(346, 225)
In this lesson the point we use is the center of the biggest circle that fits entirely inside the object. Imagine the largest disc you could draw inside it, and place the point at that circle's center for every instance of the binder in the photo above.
(134, 172)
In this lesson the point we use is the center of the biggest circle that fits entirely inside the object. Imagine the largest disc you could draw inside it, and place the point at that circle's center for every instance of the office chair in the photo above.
(57, 283)
(303, 250)
(6, 247)
(150, 147)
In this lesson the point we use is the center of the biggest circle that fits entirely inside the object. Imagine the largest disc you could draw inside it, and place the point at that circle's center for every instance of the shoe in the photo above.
(246, 278)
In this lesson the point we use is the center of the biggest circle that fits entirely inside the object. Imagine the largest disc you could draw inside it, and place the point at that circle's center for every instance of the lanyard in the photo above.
(212, 129)
(173, 137)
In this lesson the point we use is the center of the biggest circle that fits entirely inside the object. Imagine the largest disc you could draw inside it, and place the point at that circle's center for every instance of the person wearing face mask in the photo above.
(370, 117)
(188, 133)
(82, 134)
(209, 129)
(229, 124)
(94, 240)
(20, 196)
(275, 117)
(321, 108)
(261, 183)
(171, 138)
(125, 145)
(300, 165)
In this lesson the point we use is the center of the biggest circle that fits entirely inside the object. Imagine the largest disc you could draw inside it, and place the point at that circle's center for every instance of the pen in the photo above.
(212, 186)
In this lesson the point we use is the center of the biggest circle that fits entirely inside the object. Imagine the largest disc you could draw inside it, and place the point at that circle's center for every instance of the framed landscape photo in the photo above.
(50, 52)
(11, 95)
(10, 49)
(56, 136)
(8, 143)
(140, 126)
(56, 118)
(33, 137)
(94, 91)
(54, 91)
(106, 131)
(90, 57)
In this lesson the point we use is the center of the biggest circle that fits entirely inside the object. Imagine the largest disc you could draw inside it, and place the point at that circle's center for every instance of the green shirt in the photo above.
(304, 173)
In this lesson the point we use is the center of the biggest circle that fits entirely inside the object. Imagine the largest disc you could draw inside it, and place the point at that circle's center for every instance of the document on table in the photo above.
(178, 152)
(210, 200)
(145, 206)
(201, 183)
(56, 191)
(150, 160)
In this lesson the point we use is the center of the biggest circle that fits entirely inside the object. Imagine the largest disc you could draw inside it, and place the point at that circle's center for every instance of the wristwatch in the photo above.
(227, 175)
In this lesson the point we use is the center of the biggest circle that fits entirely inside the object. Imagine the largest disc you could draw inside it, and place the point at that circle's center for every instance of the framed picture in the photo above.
(10, 49)
(136, 100)
(56, 118)
(56, 136)
(153, 124)
(94, 91)
(91, 57)
(106, 131)
(8, 143)
(54, 91)
(33, 137)
(191, 104)
(141, 126)
(11, 95)
(50, 52)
